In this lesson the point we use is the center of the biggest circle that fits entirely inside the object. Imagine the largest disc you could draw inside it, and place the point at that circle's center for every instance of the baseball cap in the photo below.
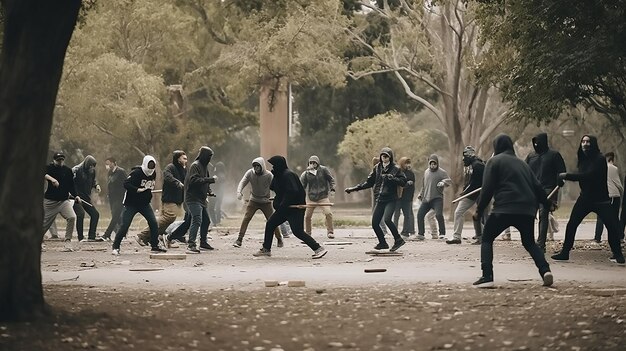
(58, 156)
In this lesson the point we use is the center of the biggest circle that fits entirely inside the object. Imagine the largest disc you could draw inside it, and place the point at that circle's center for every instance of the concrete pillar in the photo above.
(274, 118)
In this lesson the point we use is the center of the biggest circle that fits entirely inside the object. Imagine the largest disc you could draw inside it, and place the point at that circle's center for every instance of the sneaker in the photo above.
(396, 245)
(263, 252)
(381, 246)
(331, 235)
(140, 241)
(453, 241)
(279, 243)
(618, 260)
(115, 252)
(434, 236)
(167, 243)
(206, 246)
(156, 250)
(319, 253)
(561, 256)
(548, 279)
(106, 238)
(597, 241)
(442, 237)
(484, 282)
(192, 250)
(237, 243)
(420, 237)
(404, 235)
(477, 242)
(97, 240)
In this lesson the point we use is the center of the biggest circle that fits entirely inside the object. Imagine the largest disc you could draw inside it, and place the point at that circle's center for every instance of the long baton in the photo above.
(553, 192)
(466, 195)
(312, 205)
(83, 201)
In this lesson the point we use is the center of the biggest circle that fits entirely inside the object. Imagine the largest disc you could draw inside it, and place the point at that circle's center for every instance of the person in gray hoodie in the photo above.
(434, 181)
(260, 180)
(196, 191)
(319, 184)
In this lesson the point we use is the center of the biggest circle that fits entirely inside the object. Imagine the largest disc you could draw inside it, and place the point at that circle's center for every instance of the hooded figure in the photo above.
(319, 185)
(85, 177)
(545, 163)
(434, 181)
(286, 184)
(405, 199)
(174, 179)
(197, 180)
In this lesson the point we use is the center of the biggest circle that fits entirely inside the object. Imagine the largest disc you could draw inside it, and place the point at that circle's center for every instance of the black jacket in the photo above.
(115, 185)
(65, 177)
(286, 185)
(384, 180)
(510, 182)
(592, 173)
(197, 180)
(138, 179)
(85, 177)
(545, 163)
(173, 181)
(473, 178)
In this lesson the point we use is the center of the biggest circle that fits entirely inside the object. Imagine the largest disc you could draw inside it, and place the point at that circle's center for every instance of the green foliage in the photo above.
(364, 140)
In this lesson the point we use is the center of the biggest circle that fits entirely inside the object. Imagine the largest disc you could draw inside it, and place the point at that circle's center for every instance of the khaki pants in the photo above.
(308, 215)
(169, 212)
(251, 209)
(50, 210)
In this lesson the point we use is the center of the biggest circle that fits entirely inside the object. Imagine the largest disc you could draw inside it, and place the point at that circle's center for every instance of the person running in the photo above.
(139, 186)
(319, 185)
(85, 183)
(434, 181)
(260, 180)
(616, 189)
(196, 191)
(473, 171)
(115, 192)
(516, 193)
(289, 193)
(594, 197)
(405, 200)
(56, 199)
(386, 176)
(546, 165)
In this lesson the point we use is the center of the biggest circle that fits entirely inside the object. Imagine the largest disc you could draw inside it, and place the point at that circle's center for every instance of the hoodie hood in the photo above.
(261, 162)
(88, 162)
(403, 162)
(502, 143)
(204, 155)
(279, 163)
(314, 159)
(387, 151)
(144, 165)
(433, 158)
(175, 156)
(594, 149)
(540, 143)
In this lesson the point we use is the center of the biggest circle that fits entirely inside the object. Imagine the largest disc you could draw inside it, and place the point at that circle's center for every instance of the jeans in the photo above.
(615, 202)
(498, 222)
(308, 215)
(128, 214)
(116, 218)
(251, 209)
(80, 209)
(199, 221)
(50, 210)
(437, 205)
(384, 210)
(408, 225)
(295, 217)
(459, 218)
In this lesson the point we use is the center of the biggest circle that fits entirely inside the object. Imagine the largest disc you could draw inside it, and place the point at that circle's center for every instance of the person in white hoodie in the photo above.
(260, 180)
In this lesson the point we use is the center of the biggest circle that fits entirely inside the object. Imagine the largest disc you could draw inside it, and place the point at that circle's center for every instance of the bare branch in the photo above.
(423, 101)
(493, 125)
(108, 132)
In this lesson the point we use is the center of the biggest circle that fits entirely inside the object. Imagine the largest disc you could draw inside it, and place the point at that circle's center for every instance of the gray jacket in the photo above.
(318, 183)
(259, 184)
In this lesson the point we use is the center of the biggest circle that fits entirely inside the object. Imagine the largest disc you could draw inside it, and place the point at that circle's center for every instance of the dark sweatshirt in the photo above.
(592, 173)
(286, 185)
(408, 192)
(545, 163)
(85, 177)
(65, 177)
(115, 185)
(510, 182)
(173, 180)
(197, 180)
(138, 179)
(473, 178)
(387, 179)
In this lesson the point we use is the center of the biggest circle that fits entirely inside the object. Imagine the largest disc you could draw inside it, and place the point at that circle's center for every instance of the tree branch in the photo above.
(423, 101)
(108, 132)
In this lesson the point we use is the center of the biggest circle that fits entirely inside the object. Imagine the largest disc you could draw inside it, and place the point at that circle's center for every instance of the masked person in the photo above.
(196, 191)
(404, 203)
(594, 197)
(139, 186)
(386, 176)
(115, 192)
(434, 181)
(85, 183)
(320, 185)
(56, 199)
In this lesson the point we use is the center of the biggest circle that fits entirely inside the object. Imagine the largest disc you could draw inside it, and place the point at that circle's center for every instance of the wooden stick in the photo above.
(553, 192)
(466, 195)
(83, 201)
(311, 205)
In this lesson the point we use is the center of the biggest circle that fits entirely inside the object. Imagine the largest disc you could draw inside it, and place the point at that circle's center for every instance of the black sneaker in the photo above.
(192, 250)
(157, 250)
(381, 246)
(206, 246)
(484, 282)
(561, 256)
(619, 260)
(262, 252)
(477, 242)
(397, 244)
(453, 241)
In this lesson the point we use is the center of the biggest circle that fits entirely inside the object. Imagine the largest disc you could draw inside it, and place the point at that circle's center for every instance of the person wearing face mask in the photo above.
(386, 177)
(85, 182)
(196, 191)
(320, 186)
(171, 197)
(405, 200)
(115, 192)
(139, 185)
(473, 172)
(260, 180)
(434, 181)
(594, 197)
(56, 199)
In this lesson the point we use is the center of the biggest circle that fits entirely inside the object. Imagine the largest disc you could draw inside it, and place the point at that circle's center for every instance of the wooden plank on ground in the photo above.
(168, 256)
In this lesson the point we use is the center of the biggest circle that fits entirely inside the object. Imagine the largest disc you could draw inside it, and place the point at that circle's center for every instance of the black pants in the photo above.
(128, 214)
(544, 221)
(94, 216)
(496, 224)
(615, 203)
(384, 209)
(295, 217)
(181, 230)
(436, 205)
(116, 217)
(580, 210)
(408, 226)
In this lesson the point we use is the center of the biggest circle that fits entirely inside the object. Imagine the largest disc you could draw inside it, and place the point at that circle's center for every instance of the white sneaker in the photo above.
(115, 252)
(319, 253)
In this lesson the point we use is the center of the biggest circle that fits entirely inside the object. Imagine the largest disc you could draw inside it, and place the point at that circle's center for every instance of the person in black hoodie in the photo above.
(546, 164)
(196, 191)
(594, 197)
(171, 197)
(139, 186)
(85, 182)
(289, 194)
(387, 176)
(115, 189)
(405, 200)
(57, 197)
(516, 193)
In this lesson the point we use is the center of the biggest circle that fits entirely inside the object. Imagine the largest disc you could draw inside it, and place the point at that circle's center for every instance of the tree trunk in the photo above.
(36, 35)
(274, 117)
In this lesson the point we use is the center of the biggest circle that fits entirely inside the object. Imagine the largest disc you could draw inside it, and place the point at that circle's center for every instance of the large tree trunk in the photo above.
(36, 36)
(274, 117)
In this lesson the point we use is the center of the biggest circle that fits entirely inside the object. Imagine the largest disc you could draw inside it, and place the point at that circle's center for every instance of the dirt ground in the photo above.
(424, 301)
